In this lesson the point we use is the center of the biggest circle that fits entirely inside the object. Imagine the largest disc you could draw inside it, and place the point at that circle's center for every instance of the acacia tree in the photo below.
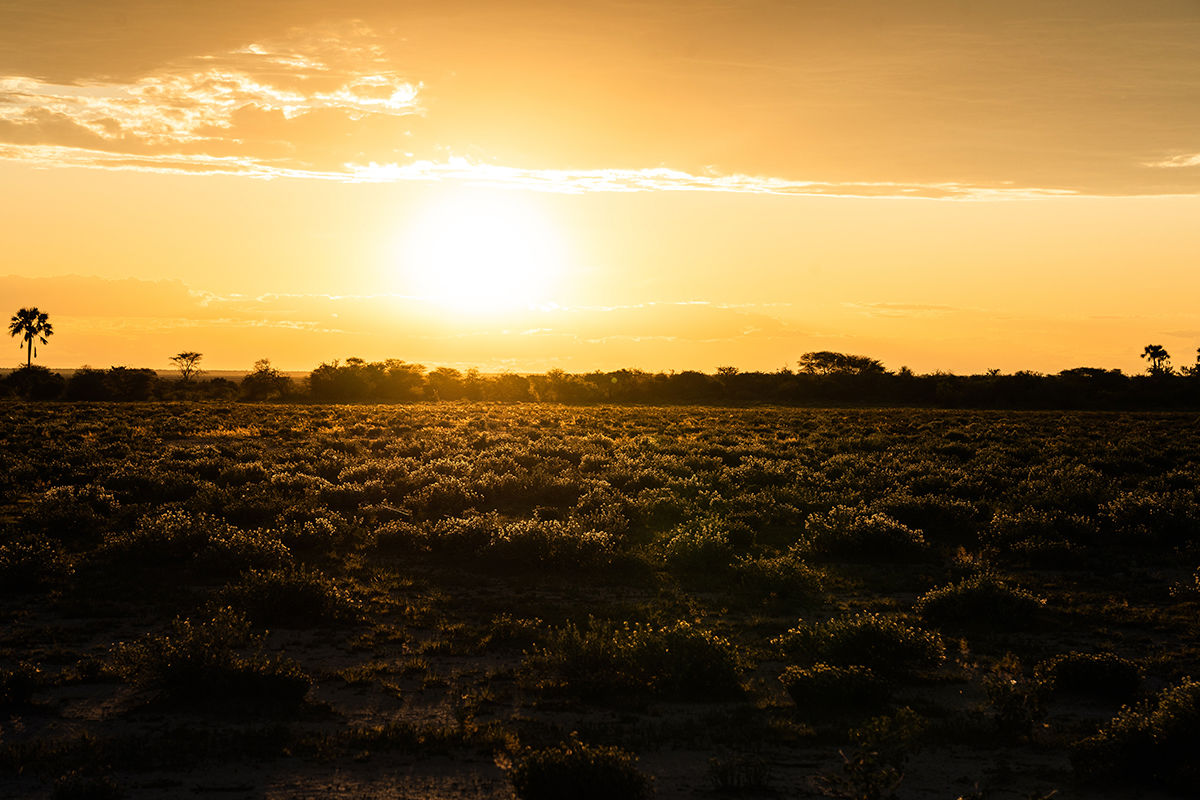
(827, 362)
(1159, 359)
(187, 363)
(30, 324)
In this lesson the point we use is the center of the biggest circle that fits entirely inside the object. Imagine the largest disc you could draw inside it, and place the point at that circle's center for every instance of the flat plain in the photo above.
(438, 600)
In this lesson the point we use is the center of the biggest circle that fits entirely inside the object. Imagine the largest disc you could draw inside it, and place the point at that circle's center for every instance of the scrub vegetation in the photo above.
(496, 600)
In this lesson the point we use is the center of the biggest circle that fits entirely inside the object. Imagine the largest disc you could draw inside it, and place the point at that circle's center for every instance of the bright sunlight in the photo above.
(482, 252)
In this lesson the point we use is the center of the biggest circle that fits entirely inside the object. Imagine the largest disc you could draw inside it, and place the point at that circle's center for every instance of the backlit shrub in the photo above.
(856, 534)
(605, 660)
(1151, 743)
(885, 645)
(823, 689)
(579, 771)
(980, 601)
(1101, 675)
(293, 596)
(215, 661)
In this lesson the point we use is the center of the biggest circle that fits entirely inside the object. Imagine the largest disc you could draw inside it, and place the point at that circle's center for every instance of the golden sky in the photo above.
(948, 185)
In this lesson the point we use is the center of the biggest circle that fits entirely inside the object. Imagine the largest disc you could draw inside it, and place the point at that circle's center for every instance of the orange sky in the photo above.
(942, 185)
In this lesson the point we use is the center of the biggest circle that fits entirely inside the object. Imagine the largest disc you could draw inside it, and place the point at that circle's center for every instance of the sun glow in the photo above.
(479, 253)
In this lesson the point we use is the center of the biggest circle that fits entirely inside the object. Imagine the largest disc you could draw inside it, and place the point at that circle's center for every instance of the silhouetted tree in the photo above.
(827, 362)
(265, 382)
(30, 324)
(1159, 359)
(187, 363)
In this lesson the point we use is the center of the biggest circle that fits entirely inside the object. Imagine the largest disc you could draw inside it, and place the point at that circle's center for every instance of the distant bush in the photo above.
(885, 645)
(17, 685)
(856, 534)
(207, 663)
(1040, 538)
(398, 537)
(1151, 743)
(1160, 518)
(506, 630)
(1101, 675)
(78, 785)
(826, 689)
(980, 601)
(293, 596)
(538, 543)
(30, 564)
(578, 771)
(942, 519)
(198, 541)
(604, 660)
(72, 513)
(33, 383)
(701, 546)
(785, 578)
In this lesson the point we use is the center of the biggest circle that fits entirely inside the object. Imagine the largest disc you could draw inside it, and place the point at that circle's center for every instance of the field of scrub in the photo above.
(462, 600)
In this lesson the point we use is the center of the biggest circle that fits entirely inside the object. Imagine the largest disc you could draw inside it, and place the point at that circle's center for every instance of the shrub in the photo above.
(883, 644)
(678, 661)
(538, 543)
(1101, 675)
(1151, 743)
(72, 512)
(205, 663)
(699, 546)
(18, 684)
(980, 601)
(28, 565)
(826, 689)
(578, 771)
(941, 518)
(1039, 538)
(79, 786)
(858, 535)
(199, 541)
(784, 578)
(398, 537)
(293, 596)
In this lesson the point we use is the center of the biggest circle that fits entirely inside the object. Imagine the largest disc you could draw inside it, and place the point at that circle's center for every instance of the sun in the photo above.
(479, 252)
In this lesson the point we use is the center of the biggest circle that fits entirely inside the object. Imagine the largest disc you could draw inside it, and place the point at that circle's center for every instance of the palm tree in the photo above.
(30, 324)
(1159, 357)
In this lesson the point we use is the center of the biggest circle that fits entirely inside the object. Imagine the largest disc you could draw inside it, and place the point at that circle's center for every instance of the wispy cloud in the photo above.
(899, 309)
(457, 169)
(199, 99)
(1183, 160)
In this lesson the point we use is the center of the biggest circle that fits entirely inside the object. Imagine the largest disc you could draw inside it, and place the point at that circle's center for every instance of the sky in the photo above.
(946, 185)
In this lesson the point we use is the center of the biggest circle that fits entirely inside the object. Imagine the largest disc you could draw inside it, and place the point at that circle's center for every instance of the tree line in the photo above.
(820, 378)
(394, 381)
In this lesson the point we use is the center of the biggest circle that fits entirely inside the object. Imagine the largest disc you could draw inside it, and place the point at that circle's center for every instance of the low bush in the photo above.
(885, 645)
(980, 601)
(785, 578)
(823, 689)
(604, 660)
(17, 685)
(30, 564)
(699, 546)
(1151, 743)
(856, 534)
(1100, 675)
(196, 542)
(293, 597)
(578, 771)
(214, 662)
(72, 513)
(81, 786)
(540, 543)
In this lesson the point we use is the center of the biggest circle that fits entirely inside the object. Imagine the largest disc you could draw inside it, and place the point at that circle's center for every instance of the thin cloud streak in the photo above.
(456, 169)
